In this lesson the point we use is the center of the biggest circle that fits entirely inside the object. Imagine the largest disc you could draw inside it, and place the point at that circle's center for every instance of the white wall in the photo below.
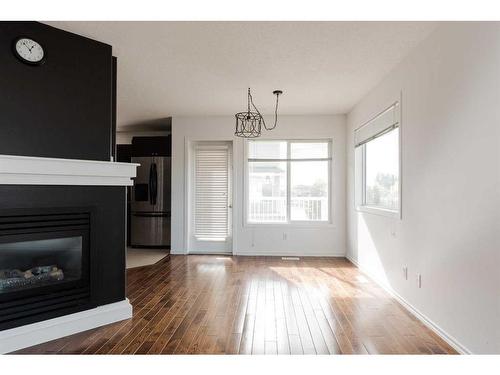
(264, 240)
(450, 227)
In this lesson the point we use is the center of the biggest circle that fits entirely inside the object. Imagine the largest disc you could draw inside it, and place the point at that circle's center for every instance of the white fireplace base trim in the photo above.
(28, 170)
(37, 333)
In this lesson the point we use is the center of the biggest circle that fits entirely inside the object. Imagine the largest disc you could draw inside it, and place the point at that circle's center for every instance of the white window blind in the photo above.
(211, 193)
(379, 125)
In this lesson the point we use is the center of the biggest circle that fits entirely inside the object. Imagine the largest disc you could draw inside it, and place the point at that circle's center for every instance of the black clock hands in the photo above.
(28, 48)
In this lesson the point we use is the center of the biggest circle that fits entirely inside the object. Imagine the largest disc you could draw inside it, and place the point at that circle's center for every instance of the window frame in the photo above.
(289, 223)
(360, 191)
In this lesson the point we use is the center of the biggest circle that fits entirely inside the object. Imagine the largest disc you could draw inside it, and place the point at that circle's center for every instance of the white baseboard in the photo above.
(37, 333)
(275, 253)
(454, 343)
(177, 252)
(289, 254)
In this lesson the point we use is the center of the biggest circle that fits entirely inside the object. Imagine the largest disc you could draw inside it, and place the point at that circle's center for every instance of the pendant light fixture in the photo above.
(249, 124)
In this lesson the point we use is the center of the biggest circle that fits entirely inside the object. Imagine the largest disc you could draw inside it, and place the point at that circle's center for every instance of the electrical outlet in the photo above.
(419, 280)
(405, 272)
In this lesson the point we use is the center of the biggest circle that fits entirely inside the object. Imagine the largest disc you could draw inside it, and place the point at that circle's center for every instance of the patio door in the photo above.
(211, 198)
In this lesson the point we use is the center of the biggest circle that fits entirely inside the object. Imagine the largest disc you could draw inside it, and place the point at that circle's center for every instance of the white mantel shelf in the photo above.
(27, 170)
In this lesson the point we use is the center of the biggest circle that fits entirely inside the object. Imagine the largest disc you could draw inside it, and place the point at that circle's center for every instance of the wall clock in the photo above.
(29, 51)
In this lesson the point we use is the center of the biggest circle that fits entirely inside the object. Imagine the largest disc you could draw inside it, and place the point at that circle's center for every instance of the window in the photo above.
(378, 145)
(288, 181)
(382, 171)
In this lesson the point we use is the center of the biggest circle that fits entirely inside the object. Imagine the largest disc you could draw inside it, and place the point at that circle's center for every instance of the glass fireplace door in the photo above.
(42, 261)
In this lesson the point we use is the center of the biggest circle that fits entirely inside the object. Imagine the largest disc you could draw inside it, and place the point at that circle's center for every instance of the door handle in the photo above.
(153, 184)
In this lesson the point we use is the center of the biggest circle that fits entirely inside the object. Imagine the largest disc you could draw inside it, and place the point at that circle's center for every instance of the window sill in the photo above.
(379, 211)
(294, 225)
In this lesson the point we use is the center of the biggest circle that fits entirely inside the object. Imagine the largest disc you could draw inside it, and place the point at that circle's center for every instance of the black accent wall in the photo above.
(62, 108)
(65, 108)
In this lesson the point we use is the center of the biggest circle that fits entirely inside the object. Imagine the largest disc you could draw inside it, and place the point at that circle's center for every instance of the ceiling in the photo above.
(204, 68)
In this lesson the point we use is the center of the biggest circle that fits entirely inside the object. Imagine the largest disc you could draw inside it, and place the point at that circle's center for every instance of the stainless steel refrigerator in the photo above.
(150, 203)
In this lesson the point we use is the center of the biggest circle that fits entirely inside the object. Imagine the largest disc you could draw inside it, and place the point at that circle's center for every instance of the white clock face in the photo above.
(29, 50)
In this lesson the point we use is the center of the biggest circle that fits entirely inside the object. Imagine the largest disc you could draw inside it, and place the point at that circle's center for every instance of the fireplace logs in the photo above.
(16, 279)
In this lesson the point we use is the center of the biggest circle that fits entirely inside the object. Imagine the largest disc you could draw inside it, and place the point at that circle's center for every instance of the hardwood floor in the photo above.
(255, 305)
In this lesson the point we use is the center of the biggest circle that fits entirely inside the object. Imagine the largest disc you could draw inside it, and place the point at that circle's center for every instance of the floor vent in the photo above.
(290, 258)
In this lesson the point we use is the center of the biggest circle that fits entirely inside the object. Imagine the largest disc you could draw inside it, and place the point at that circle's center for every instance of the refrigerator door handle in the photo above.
(153, 184)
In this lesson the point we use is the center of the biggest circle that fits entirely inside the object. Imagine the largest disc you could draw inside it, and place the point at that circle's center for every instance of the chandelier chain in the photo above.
(256, 110)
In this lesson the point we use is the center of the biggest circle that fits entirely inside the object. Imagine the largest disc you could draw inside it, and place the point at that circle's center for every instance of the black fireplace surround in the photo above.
(62, 250)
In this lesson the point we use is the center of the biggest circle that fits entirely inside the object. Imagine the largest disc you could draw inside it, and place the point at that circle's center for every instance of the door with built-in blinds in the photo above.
(211, 198)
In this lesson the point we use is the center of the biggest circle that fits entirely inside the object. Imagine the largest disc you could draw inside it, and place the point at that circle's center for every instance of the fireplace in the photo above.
(62, 250)
(44, 263)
